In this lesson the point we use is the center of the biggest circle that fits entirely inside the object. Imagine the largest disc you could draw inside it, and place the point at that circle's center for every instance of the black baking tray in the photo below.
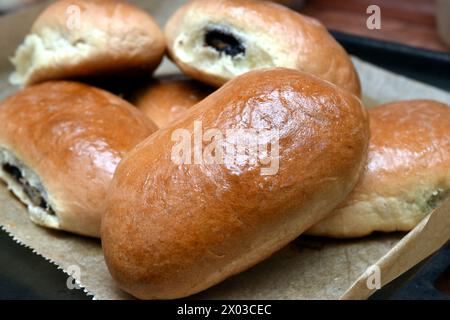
(427, 66)
(25, 275)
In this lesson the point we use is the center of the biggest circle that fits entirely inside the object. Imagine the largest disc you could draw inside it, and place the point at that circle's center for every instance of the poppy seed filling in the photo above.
(32, 193)
(224, 42)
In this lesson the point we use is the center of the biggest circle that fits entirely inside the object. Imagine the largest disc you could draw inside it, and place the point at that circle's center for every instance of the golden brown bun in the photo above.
(171, 230)
(167, 98)
(64, 140)
(82, 38)
(263, 35)
(291, 3)
(407, 174)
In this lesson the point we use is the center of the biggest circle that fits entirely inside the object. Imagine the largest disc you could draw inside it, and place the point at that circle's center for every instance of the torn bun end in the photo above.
(80, 38)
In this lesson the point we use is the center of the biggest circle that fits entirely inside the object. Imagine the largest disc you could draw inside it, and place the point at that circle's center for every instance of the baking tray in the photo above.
(427, 66)
(25, 275)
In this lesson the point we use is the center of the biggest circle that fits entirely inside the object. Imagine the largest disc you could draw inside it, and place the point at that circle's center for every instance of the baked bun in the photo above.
(214, 41)
(172, 229)
(60, 143)
(82, 38)
(165, 99)
(407, 174)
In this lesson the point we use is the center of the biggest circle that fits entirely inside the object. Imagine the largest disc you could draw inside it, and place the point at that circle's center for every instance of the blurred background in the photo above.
(418, 23)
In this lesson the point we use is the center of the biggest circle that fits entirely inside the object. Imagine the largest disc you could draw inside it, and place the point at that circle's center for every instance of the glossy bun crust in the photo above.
(171, 229)
(167, 98)
(60, 143)
(407, 174)
(214, 41)
(85, 38)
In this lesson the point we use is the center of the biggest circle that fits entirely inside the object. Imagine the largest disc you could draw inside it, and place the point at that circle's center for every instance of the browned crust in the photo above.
(310, 45)
(72, 136)
(409, 159)
(133, 43)
(172, 230)
(165, 99)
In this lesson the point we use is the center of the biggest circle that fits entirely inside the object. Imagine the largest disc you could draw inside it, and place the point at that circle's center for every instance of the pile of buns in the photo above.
(86, 161)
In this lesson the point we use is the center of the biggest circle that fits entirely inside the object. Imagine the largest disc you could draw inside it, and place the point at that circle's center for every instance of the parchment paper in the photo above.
(308, 268)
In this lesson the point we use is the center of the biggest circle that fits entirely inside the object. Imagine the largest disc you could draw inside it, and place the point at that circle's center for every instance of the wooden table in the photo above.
(410, 22)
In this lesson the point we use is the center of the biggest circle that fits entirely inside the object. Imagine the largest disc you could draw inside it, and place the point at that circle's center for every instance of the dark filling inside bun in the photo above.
(438, 196)
(32, 193)
(224, 42)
